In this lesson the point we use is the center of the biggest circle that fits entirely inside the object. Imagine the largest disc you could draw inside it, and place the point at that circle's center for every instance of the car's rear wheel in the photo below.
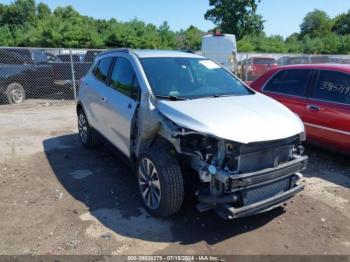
(160, 182)
(15, 94)
(87, 135)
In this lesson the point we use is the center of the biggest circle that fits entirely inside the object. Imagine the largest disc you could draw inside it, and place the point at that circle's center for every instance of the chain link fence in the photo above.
(41, 74)
(250, 66)
(52, 74)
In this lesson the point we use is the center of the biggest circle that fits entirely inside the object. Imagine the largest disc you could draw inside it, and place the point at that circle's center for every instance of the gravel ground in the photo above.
(59, 198)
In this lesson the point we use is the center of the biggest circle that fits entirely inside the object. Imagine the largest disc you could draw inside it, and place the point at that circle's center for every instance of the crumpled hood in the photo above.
(244, 119)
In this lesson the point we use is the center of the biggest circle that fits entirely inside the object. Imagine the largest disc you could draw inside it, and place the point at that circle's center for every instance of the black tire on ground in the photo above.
(15, 93)
(87, 134)
(171, 186)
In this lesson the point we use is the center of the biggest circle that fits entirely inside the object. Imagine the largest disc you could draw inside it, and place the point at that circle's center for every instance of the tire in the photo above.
(166, 182)
(87, 134)
(15, 94)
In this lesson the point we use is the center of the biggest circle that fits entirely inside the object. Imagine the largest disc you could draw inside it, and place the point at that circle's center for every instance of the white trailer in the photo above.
(222, 48)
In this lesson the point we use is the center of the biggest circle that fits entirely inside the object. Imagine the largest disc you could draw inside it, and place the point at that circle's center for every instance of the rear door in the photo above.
(328, 112)
(290, 87)
(122, 98)
(95, 86)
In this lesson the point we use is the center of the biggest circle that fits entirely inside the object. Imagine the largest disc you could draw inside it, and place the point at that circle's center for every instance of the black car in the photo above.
(67, 58)
(22, 73)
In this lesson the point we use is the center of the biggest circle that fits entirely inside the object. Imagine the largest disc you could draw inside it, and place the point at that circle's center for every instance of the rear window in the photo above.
(264, 61)
(102, 68)
(298, 60)
(333, 86)
(290, 82)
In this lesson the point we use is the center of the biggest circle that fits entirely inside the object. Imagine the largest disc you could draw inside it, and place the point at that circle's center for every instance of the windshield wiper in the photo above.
(172, 98)
(220, 95)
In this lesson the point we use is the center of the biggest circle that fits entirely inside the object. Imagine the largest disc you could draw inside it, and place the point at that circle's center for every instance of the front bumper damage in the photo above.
(255, 192)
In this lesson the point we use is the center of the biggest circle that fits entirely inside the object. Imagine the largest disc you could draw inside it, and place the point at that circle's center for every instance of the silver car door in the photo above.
(96, 88)
(122, 100)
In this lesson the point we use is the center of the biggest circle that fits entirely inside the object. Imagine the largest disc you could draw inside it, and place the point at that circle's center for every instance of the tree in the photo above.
(167, 37)
(262, 43)
(6, 38)
(293, 43)
(342, 24)
(316, 24)
(19, 13)
(190, 39)
(43, 11)
(236, 17)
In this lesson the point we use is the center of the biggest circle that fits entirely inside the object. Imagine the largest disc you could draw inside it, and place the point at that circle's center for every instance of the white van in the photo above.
(221, 48)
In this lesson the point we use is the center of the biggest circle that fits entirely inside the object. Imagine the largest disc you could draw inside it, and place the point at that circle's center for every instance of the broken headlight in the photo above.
(205, 145)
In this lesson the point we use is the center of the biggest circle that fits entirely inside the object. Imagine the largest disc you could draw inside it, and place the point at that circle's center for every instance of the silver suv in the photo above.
(182, 118)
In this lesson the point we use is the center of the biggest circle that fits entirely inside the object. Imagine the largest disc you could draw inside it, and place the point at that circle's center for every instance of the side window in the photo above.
(290, 82)
(10, 58)
(124, 80)
(333, 86)
(102, 68)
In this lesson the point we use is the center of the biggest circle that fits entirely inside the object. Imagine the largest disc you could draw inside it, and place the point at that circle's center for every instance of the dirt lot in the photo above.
(59, 198)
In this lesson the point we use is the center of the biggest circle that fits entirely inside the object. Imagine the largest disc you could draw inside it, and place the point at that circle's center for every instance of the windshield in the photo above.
(190, 78)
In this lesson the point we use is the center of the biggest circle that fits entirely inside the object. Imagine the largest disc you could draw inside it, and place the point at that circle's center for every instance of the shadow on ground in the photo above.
(106, 185)
(328, 165)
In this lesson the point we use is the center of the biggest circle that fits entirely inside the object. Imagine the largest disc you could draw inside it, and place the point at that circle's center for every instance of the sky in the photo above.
(281, 17)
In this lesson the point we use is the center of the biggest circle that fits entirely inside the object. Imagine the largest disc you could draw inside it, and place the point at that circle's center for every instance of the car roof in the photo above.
(149, 53)
(220, 35)
(342, 67)
(165, 53)
(262, 57)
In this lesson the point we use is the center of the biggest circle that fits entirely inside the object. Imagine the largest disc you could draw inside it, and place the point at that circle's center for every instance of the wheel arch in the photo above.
(79, 107)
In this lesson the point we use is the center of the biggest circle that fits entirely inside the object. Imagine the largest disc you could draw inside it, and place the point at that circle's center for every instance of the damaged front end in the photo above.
(238, 179)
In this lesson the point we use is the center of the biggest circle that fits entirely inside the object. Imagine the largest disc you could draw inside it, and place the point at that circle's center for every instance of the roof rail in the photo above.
(188, 51)
(122, 50)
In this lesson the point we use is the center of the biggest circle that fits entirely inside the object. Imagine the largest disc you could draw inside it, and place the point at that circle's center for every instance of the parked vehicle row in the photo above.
(34, 72)
(180, 117)
(319, 94)
(251, 68)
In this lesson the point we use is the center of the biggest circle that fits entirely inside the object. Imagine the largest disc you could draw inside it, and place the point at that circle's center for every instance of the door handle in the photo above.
(104, 99)
(313, 108)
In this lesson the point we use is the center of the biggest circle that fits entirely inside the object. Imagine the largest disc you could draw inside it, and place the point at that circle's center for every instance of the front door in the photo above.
(289, 87)
(122, 100)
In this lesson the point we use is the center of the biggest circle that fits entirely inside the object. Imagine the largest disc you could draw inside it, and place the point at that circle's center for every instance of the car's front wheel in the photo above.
(160, 182)
(86, 134)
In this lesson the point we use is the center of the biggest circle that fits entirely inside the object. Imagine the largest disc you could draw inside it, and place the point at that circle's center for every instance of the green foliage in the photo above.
(23, 23)
(6, 38)
(342, 24)
(316, 24)
(191, 38)
(319, 34)
(236, 16)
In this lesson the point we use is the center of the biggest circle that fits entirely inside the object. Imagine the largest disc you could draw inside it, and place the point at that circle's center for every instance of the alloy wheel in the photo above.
(149, 183)
(83, 128)
(17, 95)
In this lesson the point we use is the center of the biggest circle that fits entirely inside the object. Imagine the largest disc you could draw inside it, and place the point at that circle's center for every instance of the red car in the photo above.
(319, 94)
(254, 67)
